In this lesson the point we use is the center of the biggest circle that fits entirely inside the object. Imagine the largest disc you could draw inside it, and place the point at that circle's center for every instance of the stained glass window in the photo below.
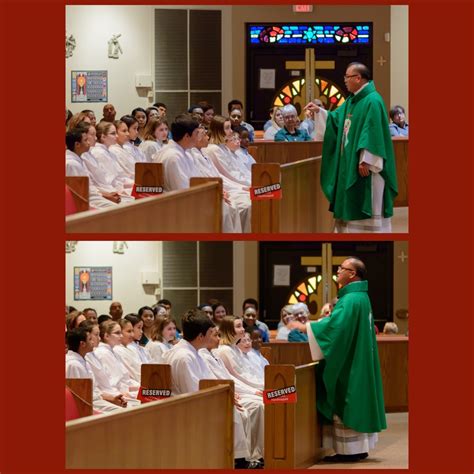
(294, 92)
(309, 291)
(310, 33)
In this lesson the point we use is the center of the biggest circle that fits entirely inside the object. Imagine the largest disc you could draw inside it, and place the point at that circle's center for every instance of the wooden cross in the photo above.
(381, 60)
(310, 65)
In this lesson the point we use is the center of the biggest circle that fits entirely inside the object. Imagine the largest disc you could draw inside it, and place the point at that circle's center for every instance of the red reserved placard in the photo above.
(139, 192)
(280, 395)
(146, 395)
(271, 191)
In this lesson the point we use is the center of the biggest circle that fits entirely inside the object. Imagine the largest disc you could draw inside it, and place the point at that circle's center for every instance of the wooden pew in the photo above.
(79, 188)
(292, 434)
(165, 434)
(81, 390)
(191, 210)
(393, 355)
(289, 152)
(303, 207)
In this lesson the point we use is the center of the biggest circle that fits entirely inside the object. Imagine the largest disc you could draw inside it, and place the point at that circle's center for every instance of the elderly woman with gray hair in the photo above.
(301, 314)
(290, 131)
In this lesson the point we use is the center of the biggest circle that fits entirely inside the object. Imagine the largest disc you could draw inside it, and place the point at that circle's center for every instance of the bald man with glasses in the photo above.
(350, 397)
(358, 174)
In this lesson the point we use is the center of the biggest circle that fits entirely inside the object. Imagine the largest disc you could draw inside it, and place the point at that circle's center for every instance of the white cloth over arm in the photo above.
(320, 120)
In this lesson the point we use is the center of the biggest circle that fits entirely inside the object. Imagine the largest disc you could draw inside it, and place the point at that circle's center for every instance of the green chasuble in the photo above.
(359, 123)
(349, 382)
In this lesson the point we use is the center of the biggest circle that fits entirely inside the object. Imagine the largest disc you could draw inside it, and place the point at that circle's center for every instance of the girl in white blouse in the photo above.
(163, 336)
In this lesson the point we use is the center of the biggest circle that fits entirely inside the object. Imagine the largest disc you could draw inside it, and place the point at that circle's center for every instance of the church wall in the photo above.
(399, 54)
(93, 26)
(126, 273)
(400, 283)
(246, 273)
(379, 15)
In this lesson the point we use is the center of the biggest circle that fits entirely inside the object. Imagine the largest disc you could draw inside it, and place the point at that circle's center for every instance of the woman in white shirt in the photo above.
(221, 149)
(154, 136)
(162, 338)
(131, 146)
(124, 158)
(231, 331)
(106, 138)
(111, 336)
(276, 124)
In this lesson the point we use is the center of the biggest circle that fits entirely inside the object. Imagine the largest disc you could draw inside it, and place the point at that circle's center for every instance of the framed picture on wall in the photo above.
(89, 86)
(92, 283)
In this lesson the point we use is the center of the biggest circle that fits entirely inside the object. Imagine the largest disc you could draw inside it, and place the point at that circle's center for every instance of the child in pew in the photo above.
(124, 158)
(251, 365)
(79, 342)
(188, 368)
(250, 398)
(129, 356)
(137, 324)
(131, 147)
(231, 330)
(155, 136)
(111, 336)
(73, 319)
(254, 354)
(106, 138)
(162, 337)
(147, 315)
(243, 151)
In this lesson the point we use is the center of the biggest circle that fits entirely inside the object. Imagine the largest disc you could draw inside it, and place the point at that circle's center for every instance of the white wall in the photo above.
(93, 26)
(399, 56)
(126, 272)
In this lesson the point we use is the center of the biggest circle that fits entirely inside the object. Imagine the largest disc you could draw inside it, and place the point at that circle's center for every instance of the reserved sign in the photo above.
(281, 395)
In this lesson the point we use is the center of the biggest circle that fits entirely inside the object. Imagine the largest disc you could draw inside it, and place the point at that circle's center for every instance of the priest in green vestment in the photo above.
(349, 385)
(358, 174)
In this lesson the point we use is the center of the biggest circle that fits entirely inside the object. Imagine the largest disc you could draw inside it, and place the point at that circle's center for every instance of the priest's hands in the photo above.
(297, 325)
(364, 169)
(312, 107)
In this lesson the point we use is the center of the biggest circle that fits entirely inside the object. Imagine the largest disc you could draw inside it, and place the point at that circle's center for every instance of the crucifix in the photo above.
(310, 65)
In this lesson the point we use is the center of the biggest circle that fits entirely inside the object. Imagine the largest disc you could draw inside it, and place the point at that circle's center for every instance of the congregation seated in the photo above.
(398, 126)
(290, 131)
(155, 136)
(162, 339)
(274, 125)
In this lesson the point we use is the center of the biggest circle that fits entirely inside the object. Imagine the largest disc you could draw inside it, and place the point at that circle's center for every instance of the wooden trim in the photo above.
(81, 390)
(166, 434)
(190, 210)
(198, 181)
(149, 174)
(79, 187)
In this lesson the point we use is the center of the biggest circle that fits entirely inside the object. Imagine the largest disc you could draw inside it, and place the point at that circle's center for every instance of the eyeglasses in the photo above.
(340, 268)
(352, 75)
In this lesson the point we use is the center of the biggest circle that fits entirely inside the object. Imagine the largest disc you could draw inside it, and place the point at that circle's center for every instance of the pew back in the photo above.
(166, 434)
(191, 210)
(81, 390)
(79, 188)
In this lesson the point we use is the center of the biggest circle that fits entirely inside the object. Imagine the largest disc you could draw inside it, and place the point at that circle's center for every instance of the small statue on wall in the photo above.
(114, 47)
(70, 45)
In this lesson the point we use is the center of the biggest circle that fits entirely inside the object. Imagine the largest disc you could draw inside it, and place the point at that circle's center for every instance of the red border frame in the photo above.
(440, 237)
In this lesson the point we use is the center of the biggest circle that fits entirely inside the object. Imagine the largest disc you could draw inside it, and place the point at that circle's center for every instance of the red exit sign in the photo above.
(302, 8)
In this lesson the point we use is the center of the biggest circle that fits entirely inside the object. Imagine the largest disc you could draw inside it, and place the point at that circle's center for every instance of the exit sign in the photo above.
(302, 8)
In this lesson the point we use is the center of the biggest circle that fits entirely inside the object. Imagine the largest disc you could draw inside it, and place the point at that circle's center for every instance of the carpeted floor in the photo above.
(391, 451)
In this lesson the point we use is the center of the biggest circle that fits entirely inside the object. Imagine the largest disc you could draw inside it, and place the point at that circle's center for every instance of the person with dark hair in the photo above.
(358, 174)
(243, 150)
(219, 311)
(163, 337)
(147, 315)
(73, 319)
(177, 165)
(69, 115)
(250, 321)
(116, 310)
(109, 113)
(253, 303)
(90, 314)
(349, 389)
(162, 109)
(152, 112)
(132, 146)
(188, 368)
(91, 115)
(236, 104)
(399, 126)
(208, 113)
(79, 342)
(124, 157)
(103, 317)
(196, 112)
(166, 304)
(139, 114)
